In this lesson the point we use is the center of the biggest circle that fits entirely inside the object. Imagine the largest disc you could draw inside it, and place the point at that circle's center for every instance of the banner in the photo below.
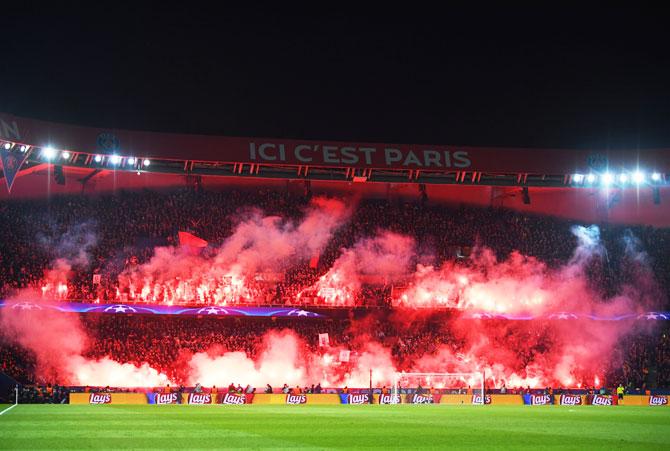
(324, 340)
(150, 309)
(479, 400)
(538, 400)
(389, 399)
(570, 400)
(199, 398)
(658, 400)
(296, 399)
(11, 165)
(236, 398)
(423, 399)
(344, 355)
(601, 400)
(323, 153)
(191, 243)
(100, 398)
(359, 398)
(165, 398)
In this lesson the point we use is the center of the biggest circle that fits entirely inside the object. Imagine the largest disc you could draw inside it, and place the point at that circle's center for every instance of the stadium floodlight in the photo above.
(623, 177)
(146, 162)
(607, 178)
(65, 155)
(48, 153)
(656, 177)
(98, 158)
(591, 178)
(8, 146)
(638, 177)
(131, 160)
(578, 178)
(24, 148)
(115, 159)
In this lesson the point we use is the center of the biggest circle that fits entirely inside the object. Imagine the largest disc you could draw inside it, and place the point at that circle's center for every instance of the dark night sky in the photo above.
(570, 77)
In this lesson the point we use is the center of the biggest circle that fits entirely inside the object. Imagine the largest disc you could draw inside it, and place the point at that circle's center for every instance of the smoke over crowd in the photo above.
(553, 350)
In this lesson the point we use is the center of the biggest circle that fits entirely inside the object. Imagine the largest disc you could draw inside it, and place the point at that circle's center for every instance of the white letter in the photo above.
(299, 156)
(430, 157)
(462, 159)
(328, 157)
(368, 153)
(411, 159)
(349, 155)
(263, 155)
(10, 132)
(392, 155)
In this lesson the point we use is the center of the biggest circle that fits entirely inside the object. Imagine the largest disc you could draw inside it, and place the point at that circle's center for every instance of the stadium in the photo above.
(265, 227)
(317, 286)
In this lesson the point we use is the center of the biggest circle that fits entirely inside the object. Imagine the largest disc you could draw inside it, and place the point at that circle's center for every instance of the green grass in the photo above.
(320, 427)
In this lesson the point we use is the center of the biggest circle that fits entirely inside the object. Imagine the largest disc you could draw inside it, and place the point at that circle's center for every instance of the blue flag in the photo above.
(11, 165)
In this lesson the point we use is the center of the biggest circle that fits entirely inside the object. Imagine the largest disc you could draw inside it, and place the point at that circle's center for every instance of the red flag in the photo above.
(314, 261)
(191, 242)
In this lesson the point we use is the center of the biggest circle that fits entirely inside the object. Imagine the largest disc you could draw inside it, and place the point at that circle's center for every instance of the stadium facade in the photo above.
(621, 186)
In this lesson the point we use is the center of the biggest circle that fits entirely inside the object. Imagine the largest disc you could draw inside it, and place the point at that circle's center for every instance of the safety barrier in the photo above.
(325, 399)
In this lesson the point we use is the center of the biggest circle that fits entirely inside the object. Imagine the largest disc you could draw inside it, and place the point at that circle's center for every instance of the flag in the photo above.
(11, 165)
(191, 242)
(324, 340)
(344, 355)
(314, 261)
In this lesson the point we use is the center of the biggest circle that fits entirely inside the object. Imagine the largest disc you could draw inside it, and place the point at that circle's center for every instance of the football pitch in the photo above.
(323, 427)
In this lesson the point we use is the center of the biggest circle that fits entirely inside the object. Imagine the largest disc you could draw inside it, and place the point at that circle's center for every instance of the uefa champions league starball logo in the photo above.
(120, 308)
(651, 316)
(213, 310)
(296, 312)
(563, 316)
(26, 306)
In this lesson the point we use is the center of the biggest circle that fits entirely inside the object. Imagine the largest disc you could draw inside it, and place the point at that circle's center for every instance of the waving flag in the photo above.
(191, 242)
(11, 165)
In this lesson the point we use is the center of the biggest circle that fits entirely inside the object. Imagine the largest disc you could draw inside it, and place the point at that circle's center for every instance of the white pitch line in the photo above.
(8, 408)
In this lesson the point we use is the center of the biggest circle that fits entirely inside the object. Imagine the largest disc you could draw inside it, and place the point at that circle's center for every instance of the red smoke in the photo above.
(537, 353)
(58, 342)
(260, 246)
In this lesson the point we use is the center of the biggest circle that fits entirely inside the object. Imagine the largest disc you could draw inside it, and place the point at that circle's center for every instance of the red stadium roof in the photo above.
(317, 160)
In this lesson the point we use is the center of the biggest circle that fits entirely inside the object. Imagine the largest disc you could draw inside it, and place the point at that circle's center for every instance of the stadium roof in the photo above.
(98, 149)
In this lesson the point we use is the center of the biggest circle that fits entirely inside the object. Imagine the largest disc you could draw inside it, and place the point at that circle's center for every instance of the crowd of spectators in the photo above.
(167, 343)
(127, 226)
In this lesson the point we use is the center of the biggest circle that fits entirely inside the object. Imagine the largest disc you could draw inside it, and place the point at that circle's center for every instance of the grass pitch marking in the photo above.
(8, 409)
